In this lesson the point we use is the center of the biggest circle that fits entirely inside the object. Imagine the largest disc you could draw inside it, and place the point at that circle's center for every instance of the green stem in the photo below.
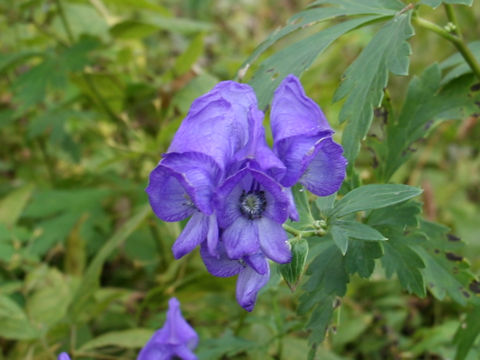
(452, 17)
(303, 233)
(455, 40)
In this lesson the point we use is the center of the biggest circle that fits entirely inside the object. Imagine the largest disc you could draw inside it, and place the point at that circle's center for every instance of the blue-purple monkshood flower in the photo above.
(63, 356)
(303, 141)
(251, 208)
(198, 159)
(176, 339)
(253, 273)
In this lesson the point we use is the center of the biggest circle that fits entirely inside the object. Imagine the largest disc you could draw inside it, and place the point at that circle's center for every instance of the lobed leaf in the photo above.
(365, 80)
(298, 57)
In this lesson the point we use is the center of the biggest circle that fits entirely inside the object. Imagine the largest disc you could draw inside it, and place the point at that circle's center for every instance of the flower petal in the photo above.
(257, 151)
(257, 262)
(194, 233)
(183, 353)
(217, 124)
(293, 113)
(275, 195)
(292, 207)
(326, 168)
(220, 266)
(273, 241)
(176, 330)
(249, 283)
(167, 195)
(241, 238)
(212, 235)
(63, 356)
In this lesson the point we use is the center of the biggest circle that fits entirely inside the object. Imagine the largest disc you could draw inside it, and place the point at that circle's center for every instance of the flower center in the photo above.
(253, 204)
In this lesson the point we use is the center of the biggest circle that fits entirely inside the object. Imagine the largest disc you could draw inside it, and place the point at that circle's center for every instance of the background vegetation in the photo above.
(91, 93)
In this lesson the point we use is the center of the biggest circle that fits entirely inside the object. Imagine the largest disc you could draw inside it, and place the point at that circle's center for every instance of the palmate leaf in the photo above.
(425, 104)
(366, 78)
(315, 15)
(400, 258)
(445, 272)
(399, 223)
(327, 278)
(298, 57)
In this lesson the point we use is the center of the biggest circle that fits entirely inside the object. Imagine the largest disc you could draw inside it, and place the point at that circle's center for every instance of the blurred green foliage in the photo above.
(91, 93)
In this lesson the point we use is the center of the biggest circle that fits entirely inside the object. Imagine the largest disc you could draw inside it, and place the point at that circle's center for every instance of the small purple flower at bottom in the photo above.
(63, 356)
(253, 273)
(176, 339)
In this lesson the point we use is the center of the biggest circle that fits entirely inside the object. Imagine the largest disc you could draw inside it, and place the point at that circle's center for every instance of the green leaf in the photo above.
(316, 15)
(424, 104)
(138, 4)
(365, 80)
(400, 258)
(325, 203)
(292, 271)
(374, 196)
(361, 256)
(225, 346)
(298, 57)
(49, 303)
(356, 230)
(15, 324)
(9, 60)
(445, 273)
(300, 196)
(436, 3)
(467, 333)
(340, 238)
(126, 339)
(176, 24)
(185, 61)
(327, 271)
(11, 206)
(457, 63)
(320, 319)
(402, 215)
(91, 278)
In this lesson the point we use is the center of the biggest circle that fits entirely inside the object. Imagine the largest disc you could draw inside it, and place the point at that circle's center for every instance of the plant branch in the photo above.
(303, 233)
(452, 17)
(455, 40)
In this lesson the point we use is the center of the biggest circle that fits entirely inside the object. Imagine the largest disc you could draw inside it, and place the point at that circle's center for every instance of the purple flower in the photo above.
(253, 273)
(176, 339)
(204, 147)
(303, 141)
(183, 185)
(217, 123)
(251, 208)
(63, 356)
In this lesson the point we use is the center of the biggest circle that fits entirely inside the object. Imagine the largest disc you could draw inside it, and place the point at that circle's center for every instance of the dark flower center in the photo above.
(188, 201)
(253, 204)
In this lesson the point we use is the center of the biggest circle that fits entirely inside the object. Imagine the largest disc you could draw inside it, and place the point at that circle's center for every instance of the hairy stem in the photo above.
(455, 40)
